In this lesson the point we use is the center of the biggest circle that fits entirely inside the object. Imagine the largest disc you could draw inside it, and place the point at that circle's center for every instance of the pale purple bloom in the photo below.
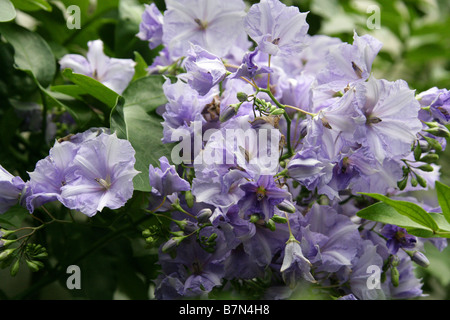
(165, 180)
(439, 102)
(197, 271)
(114, 73)
(102, 175)
(250, 67)
(368, 260)
(276, 28)
(151, 26)
(204, 70)
(50, 175)
(391, 113)
(397, 238)
(11, 188)
(214, 25)
(349, 63)
(295, 265)
(261, 197)
(183, 108)
(329, 240)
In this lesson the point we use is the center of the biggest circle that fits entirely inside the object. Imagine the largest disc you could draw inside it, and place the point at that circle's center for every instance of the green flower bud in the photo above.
(5, 254)
(33, 265)
(431, 157)
(395, 276)
(189, 198)
(242, 96)
(277, 112)
(146, 233)
(440, 131)
(402, 184)
(426, 168)
(279, 219)
(15, 268)
(417, 152)
(433, 144)
(255, 218)
(271, 225)
(421, 181)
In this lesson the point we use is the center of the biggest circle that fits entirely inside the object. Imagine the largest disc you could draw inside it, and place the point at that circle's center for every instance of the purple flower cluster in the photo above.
(340, 131)
(85, 172)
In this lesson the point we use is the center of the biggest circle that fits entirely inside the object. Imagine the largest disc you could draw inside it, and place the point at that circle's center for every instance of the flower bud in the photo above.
(286, 206)
(15, 268)
(421, 181)
(34, 265)
(402, 184)
(242, 96)
(433, 144)
(271, 225)
(395, 276)
(5, 254)
(419, 258)
(171, 244)
(229, 112)
(440, 131)
(279, 219)
(203, 215)
(431, 157)
(146, 233)
(189, 197)
(417, 152)
(426, 168)
(254, 218)
(277, 112)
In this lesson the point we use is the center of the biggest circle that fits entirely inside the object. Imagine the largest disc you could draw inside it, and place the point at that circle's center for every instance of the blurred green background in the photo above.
(416, 48)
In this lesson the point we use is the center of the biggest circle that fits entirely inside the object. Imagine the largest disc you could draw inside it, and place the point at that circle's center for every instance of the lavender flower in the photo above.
(184, 107)
(249, 67)
(276, 28)
(11, 189)
(151, 27)
(203, 23)
(166, 181)
(438, 101)
(391, 113)
(397, 238)
(204, 70)
(261, 197)
(50, 175)
(114, 73)
(295, 263)
(102, 175)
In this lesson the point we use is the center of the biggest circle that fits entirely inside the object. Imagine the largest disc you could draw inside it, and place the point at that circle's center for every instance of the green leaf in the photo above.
(13, 217)
(7, 11)
(384, 213)
(443, 194)
(146, 92)
(408, 209)
(144, 131)
(31, 53)
(93, 87)
(140, 70)
(32, 5)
